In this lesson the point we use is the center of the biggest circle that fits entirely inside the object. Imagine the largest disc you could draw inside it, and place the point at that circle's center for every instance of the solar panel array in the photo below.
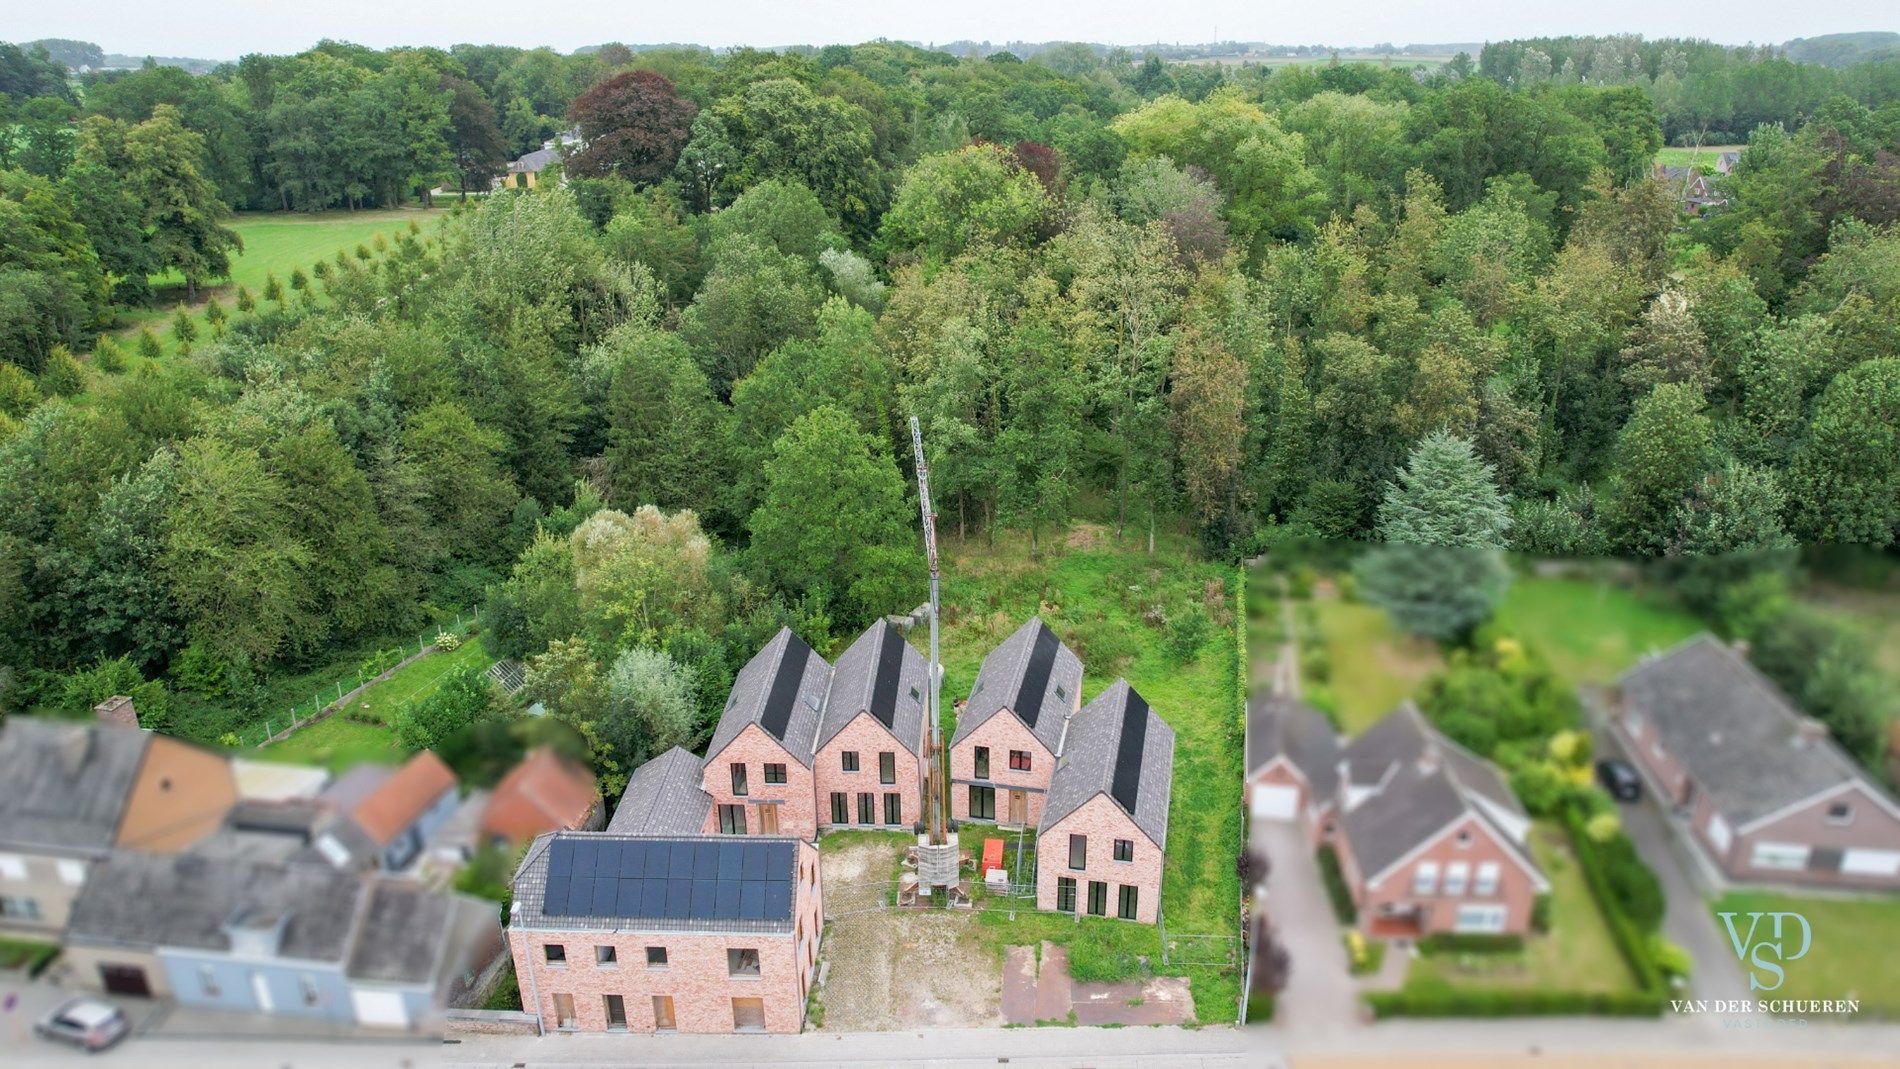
(890, 662)
(1042, 661)
(1126, 784)
(784, 693)
(669, 879)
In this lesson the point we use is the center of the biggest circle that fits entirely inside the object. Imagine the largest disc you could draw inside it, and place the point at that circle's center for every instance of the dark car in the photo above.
(87, 1023)
(1620, 779)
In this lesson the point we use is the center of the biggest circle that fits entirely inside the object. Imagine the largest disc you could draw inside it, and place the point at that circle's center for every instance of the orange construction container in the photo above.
(992, 854)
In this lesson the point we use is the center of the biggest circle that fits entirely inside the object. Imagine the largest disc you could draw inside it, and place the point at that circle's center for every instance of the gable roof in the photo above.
(1399, 736)
(546, 791)
(1280, 726)
(600, 880)
(883, 675)
(1121, 748)
(1033, 675)
(537, 160)
(663, 797)
(781, 689)
(66, 785)
(384, 805)
(1735, 732)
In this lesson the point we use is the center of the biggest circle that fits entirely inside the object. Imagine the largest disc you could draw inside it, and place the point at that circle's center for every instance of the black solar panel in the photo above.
(753, 864)
(1042, 661)
(784, 693)
(670, 879)
(778, 899)
(730, 860)
(1126, 786)
(726, 900)
(890, 663)
(628, 903)
(679, 899)
(752, 900)
(705, 861)
(681, 867)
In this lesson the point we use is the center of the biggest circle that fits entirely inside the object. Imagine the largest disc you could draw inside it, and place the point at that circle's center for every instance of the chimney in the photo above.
(117, 711)
(1807, 731)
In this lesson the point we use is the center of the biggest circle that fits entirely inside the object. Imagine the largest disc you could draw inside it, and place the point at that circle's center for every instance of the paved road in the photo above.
(1319, 999)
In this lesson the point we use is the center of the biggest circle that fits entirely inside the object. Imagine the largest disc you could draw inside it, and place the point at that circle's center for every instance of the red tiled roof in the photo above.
(403, 797)
(545, 792)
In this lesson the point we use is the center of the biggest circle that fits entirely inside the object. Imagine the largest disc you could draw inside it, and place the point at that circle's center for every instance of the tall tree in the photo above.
(1445, 496)
(632, 125)
(182, 211)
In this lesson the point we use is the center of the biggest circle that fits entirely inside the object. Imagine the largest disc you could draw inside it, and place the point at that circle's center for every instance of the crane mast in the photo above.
(936, 777)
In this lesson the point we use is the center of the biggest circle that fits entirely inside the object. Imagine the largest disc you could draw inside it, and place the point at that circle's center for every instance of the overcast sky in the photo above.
(219, 29)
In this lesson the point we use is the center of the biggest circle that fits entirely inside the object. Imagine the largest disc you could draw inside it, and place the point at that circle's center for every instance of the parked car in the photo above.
(84, 1022)
(1620, 779)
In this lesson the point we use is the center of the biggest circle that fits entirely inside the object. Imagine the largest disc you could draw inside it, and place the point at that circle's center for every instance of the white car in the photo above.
(84, 1022)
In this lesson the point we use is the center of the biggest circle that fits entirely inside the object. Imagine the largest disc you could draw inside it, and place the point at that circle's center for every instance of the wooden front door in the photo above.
(1018, 808)
(124, 980)
(663, 1013)
(768, 820)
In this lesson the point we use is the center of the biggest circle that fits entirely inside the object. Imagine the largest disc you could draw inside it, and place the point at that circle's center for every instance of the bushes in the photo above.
(1447, 1001)
(1631, 888)
(1470, 943)
(1336, 891)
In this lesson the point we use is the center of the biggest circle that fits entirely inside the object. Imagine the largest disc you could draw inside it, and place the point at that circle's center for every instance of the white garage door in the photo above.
(379, 1008)
(1871, 862)
(1272, 802)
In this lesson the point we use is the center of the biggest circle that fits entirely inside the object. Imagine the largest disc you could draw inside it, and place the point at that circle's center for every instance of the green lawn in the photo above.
(419, 679)
(1098, 592)
(1702, 159)
(1590, 631)
(1374, 668)
(27, 954)
(1852, 955)
(1578, 954)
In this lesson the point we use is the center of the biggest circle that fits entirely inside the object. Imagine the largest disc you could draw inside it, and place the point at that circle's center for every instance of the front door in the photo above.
(1018, 808)
(768, 820)
(663, 1013)
(125, 980)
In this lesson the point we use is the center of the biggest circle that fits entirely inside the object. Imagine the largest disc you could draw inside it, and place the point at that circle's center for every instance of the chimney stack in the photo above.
(1807, 731)
(117, 711)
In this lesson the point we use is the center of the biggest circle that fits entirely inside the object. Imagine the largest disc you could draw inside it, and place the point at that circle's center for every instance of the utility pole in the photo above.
(935, 708)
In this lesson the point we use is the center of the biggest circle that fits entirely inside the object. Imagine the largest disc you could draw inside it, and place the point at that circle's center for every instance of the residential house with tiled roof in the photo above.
(1292, 763)
(632, 933)
(1012, 729)
(546, 791)
(1104, 828)
(1430, 837)
(758, 767)
(72, 792)
(1767, 794)
(868, 752)
(381, 817)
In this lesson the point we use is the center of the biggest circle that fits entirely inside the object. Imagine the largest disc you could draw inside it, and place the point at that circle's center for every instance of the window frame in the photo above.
(1078, 853)
(1020, 761)
(740, 785)
(886, 767)
(980, 762)
(893, 809)
(774, 773)
(1065, 894)
(606, 956)
(1128, 901)
(736, 959)
(1425, 878)
(554, 954)
(988, 795)
(848, 760)
(660, 964)
(1125, 851)
(1098, 898)
(840, 808)
(732, 819)
(867, 809)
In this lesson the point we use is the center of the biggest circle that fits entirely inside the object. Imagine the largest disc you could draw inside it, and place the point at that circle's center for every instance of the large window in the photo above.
(1078, 852)
(1065, 894)
(1124, 850)
(774, 773)
(1780, 856)
(982, 803)
(1487, 884)
(840, 808)
(887, 768)
(1425, 878)
(738, 781)
(867, 807)
(893, 808)
(1457, 877)
(848, 759)
(732, 820)
(742, 962)
(1130, 897)
(606, 955)
(1098, 898)
(1019, 760)
(982, 758)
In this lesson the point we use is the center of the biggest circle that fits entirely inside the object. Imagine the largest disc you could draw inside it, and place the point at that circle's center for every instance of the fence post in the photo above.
(1161, 922)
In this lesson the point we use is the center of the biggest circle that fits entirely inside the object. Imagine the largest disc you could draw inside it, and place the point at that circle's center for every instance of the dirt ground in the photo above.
(890, 969)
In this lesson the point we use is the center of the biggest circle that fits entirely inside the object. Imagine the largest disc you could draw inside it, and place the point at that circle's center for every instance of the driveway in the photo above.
(1320, 999)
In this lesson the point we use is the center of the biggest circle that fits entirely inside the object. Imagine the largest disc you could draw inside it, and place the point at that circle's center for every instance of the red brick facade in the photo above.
(1100, 822)
(791, 801)
(867, 739)
(1001, 733)
(1462, 860)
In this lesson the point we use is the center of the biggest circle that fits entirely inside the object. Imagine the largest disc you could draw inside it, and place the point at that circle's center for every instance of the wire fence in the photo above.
(330, 698)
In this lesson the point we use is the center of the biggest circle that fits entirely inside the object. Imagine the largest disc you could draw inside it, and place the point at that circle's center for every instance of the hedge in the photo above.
(1336, 891)
(1631, 937)
(1470, 943)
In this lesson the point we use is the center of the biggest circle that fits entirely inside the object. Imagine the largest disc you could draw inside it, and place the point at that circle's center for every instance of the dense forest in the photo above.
(651, 411)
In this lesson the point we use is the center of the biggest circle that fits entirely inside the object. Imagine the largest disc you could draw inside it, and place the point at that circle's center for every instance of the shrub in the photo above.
(1300, 583)
(1540, 913)
(1448, 1001)
(1187, 634)
(61, 375)
(1315, 664)
(108, 355)
(447, 642)
(1471, 943)
(1336, 890)
(1602, 827)
(1673, 960)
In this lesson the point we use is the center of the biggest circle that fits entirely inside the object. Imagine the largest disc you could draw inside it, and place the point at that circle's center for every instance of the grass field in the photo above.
(1852, 954)
(1374, 668)
(1590, 631)
(1702, 159)
(1099, 594)
(1578, 954)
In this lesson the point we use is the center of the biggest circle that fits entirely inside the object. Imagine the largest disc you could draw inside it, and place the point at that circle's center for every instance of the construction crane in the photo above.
(936, 777)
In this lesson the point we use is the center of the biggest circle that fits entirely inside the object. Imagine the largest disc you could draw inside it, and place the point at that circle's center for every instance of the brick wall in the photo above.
(755, 749)
(1002, 733)
(1438, 911)
(867, 738)
(1102, 822)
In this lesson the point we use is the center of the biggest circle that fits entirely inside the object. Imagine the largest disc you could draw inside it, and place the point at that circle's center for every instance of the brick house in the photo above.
(1010, 733)
(868, 760)
(546, 791)
(1292, 764)
(619, 933)
(758, 767)
(1104, 825)
(1767, 794)
(379, 817)
(1429, 836)
(74, 792)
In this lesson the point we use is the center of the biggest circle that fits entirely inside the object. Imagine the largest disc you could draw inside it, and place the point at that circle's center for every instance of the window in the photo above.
(1130, 897)
(982, 803)
(555, 953)
(604, 955)
(1840, 813)
(1425, 878)
(1487, 884)
(72, 873)
(20, 906)
(1124, 849)
(867, 807)
(732, 820)
(887, 768)
(616, 1008)
(840, 808)
(656, 957)
(307, 987)
(1098, 898)
(742, 962)
(1019, 760)
(208, 981)
(982, 758)
(1464, 837)
(893, 808)
(738, 781)
(12, 867)
(663, 1014)
(1065, 894)
(1078, 852)
(1479, 919)
(1779, 856)
(850, 758)
(775, 773)
(748, 1015)
(1457, 877)
(564, 1011)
